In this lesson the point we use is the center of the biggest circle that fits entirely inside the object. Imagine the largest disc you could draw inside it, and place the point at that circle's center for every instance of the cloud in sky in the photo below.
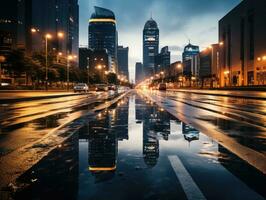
(178, 21)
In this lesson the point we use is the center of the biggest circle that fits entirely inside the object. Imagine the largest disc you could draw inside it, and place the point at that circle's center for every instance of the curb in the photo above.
(222, 95)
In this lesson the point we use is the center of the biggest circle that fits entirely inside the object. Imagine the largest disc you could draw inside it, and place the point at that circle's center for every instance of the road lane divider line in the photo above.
(190, 188)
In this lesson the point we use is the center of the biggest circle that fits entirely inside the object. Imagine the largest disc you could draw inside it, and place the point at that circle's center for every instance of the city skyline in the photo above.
(183, 25)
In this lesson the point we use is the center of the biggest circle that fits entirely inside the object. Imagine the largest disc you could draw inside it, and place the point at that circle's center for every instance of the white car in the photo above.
(81, 87)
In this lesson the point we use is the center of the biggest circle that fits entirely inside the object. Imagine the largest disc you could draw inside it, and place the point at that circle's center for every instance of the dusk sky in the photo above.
(178, 21)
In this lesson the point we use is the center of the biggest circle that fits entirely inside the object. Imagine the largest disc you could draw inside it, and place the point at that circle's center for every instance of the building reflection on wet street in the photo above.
(129, 151)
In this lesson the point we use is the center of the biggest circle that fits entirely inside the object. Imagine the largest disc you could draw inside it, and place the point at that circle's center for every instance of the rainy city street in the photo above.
(133, 148)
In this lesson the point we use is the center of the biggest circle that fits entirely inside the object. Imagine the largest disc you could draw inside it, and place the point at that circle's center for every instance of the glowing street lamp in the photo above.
(99, 67)
(60, 35)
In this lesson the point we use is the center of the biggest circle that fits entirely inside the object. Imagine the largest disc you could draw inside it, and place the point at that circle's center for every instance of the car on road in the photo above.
(112, 87)
(161, 86)
(101, 87)
(81, 87)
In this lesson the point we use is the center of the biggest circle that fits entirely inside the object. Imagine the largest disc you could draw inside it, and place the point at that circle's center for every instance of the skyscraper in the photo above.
(103, 34)
(150, 46)
(122, 58)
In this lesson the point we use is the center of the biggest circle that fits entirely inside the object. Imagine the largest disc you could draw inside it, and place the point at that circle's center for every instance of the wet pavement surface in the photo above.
(137, 150)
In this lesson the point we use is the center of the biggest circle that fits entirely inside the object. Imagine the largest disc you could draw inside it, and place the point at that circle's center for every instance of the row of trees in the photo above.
(32, 69)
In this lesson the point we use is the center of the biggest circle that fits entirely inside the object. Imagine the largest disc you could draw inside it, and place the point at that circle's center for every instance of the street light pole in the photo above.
(88, 71)
(69, 58)
(46, 62)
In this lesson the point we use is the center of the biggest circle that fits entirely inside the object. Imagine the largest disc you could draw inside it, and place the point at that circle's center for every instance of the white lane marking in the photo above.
(189, 186)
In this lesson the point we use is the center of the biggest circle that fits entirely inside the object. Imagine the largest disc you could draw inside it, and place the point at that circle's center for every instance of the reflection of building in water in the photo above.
(189, 132)
(102, 147)
(150, 140)
(119, 123)
(162, 123)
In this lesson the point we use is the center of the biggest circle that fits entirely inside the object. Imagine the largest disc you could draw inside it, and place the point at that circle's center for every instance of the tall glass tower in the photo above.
(150, 46)
(103, 34)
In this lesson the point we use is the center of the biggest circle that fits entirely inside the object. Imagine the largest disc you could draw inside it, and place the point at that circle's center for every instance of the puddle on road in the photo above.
(123, 154)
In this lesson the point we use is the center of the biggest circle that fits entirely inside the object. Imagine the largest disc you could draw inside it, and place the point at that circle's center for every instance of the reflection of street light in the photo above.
(180, 66)
(2, 59)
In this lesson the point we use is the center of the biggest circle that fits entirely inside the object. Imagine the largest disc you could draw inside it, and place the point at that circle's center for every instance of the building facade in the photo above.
(103, 34)
(150, 46)
(52, 17)
(162, 60)
(84, 57)
(243, 57)
(18, 19)
(139, 73)
(99, 64)
(12, 26)
(122, 60)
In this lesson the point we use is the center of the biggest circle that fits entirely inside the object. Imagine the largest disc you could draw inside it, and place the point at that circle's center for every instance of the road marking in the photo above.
(189, 186)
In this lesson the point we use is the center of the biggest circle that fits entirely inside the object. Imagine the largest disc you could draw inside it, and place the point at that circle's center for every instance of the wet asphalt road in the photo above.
(137, 150)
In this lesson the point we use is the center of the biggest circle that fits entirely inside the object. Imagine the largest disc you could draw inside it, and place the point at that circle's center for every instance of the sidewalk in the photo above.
(227, 93)
(10, 96)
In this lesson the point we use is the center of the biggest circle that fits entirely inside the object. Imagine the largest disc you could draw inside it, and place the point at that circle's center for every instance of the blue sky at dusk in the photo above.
(178, 21)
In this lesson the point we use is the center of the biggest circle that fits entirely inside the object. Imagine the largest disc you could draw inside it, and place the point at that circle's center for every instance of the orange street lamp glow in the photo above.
(70, 57)
(48, 36)
(162, 73)
(210, 47)
(60, 34)
(221, 43)
(75, 56)
(179, 66)
(264, 58)
(226, 72)
(259, 59)
(33, 30)
(60, 53)
(99, 67)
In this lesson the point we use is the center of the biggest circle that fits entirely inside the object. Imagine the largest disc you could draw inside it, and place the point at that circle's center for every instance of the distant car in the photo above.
(112, 87)
(101, 87)
(162, 86)
(81, 87)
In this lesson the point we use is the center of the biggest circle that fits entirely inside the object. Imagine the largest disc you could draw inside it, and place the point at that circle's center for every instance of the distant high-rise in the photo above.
(189, 55)
(139, 73)
(163, 59)
(122, 58)
(103, 34)
(150, 46)
(189, 51)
